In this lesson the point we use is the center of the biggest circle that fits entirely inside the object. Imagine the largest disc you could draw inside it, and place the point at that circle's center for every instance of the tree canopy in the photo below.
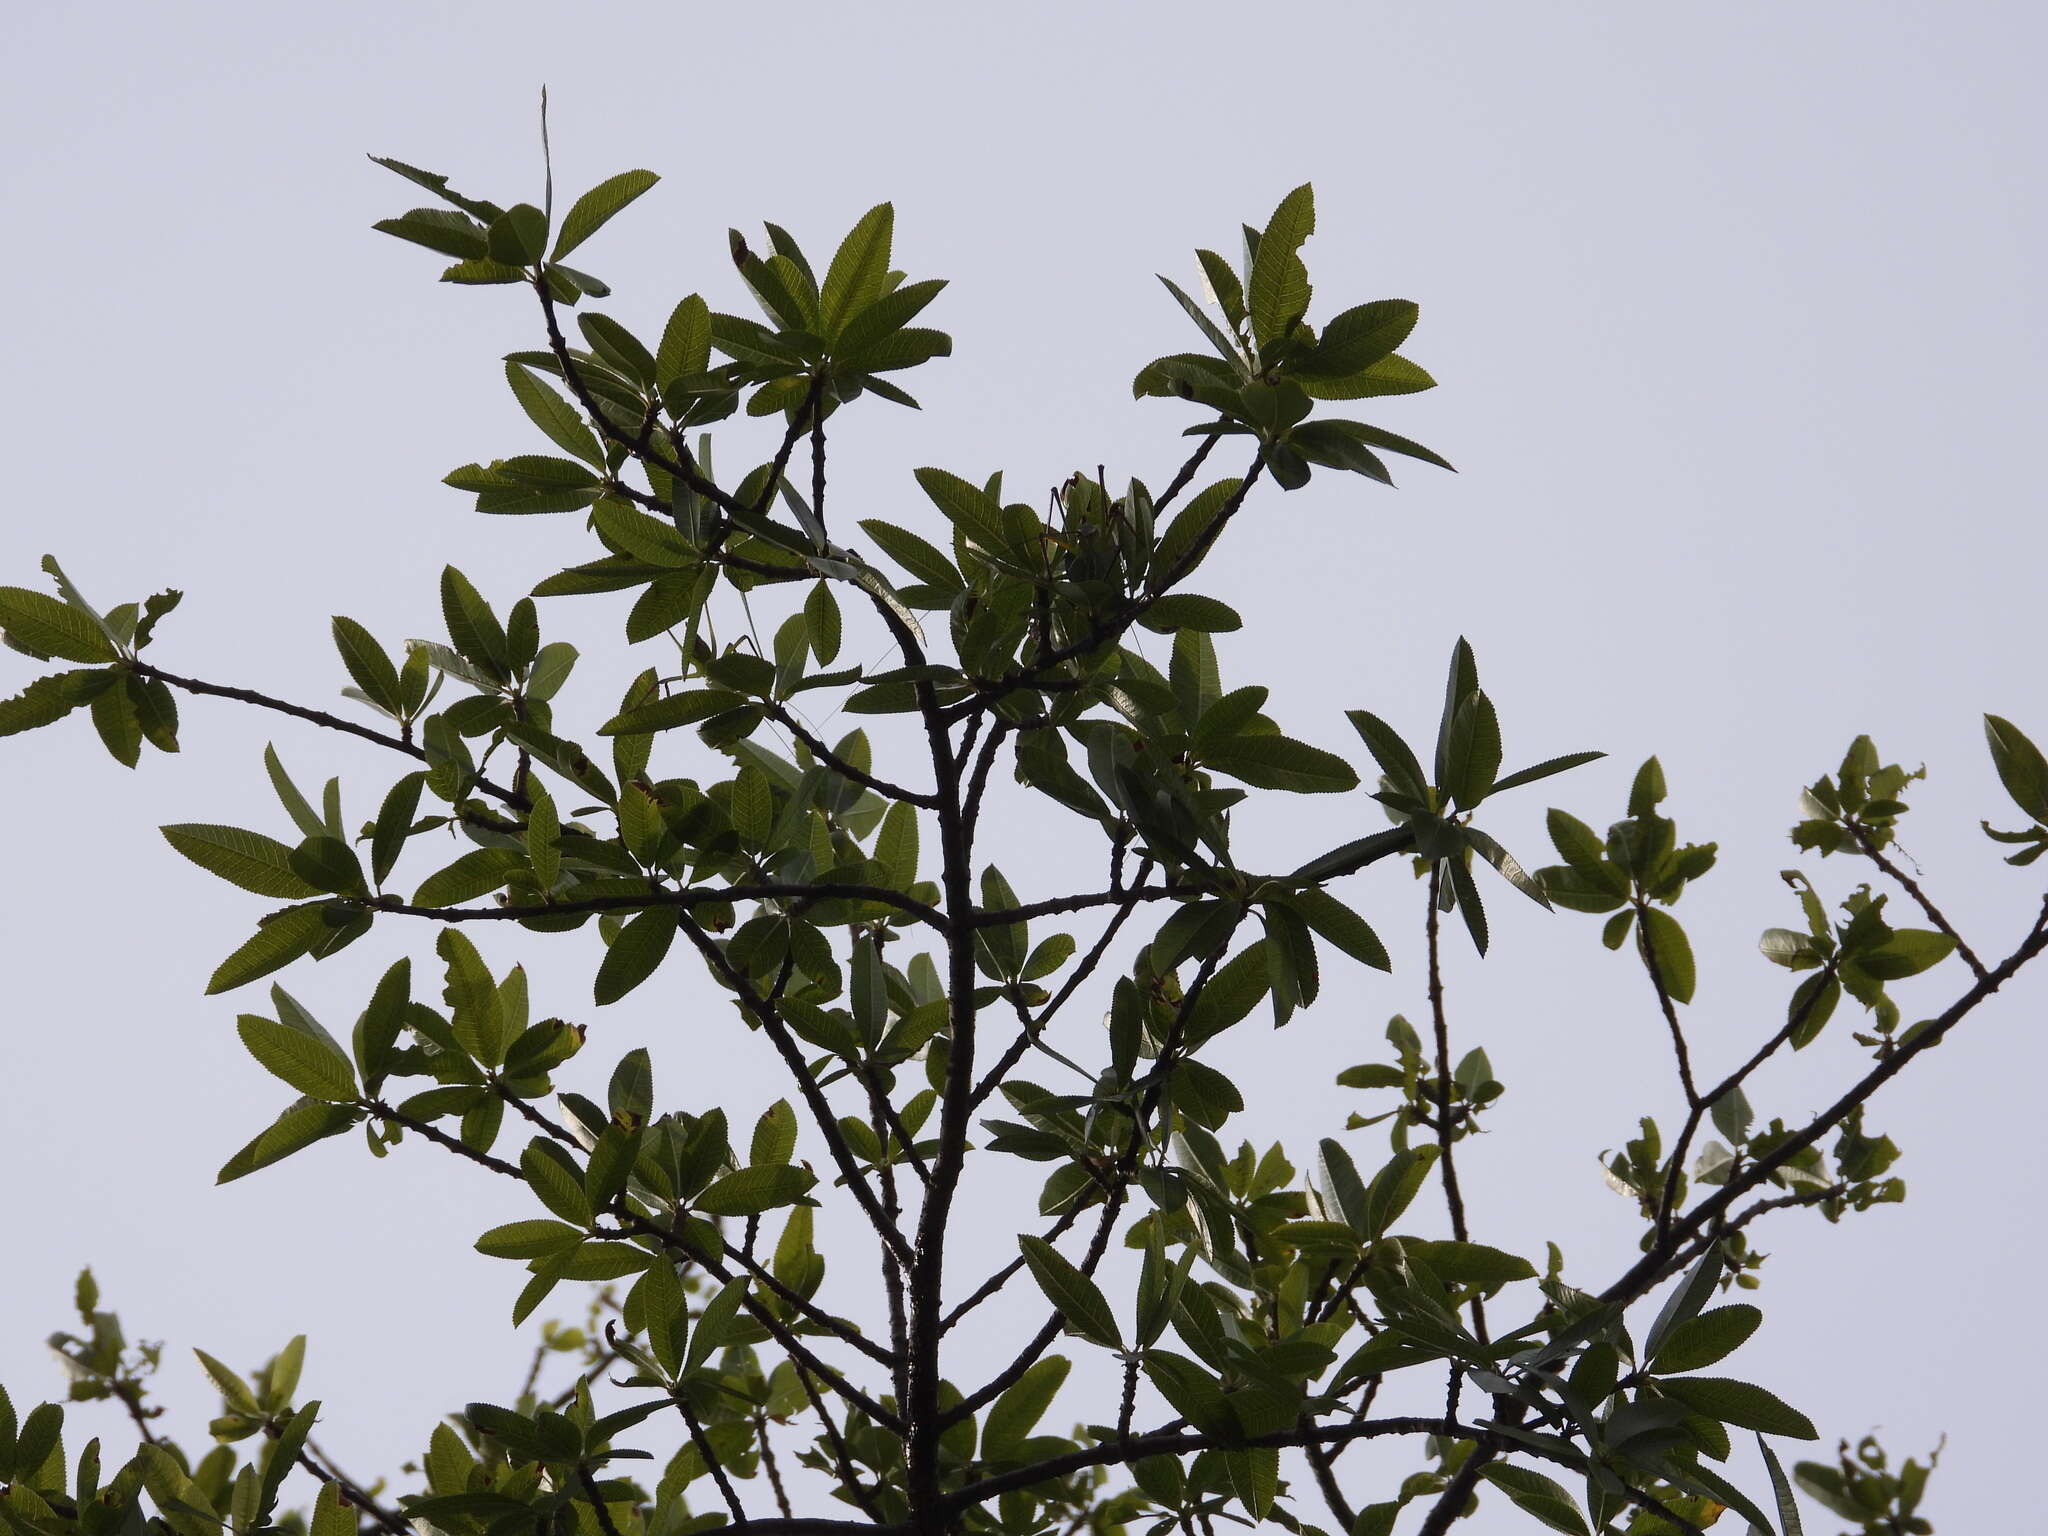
(1257, 1311)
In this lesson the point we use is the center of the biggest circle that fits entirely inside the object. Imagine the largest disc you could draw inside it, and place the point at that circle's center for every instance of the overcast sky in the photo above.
(1737, 315)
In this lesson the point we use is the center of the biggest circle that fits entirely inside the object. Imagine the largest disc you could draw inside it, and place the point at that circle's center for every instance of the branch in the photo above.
(783, 716)
(1453, 1197)
(1384, 845)
(685, 898)
(768, 1463)
(1098, 1245)
(318, 717)
(1921, 899)
(1186, 473)
(847, 1477)
(1655, 1264)
(1119, 1452)
(716, 1467)
(814, 1097)
(783, 1335)
(316, 1462)
(1665, 1003)
(1034, 1028)
(1702, 1104)
(1326, 1480)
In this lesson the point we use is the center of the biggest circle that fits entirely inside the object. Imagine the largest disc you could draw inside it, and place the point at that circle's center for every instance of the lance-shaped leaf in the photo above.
(1279, 291)
(859, 270)
(1399, 765)
(44, 627)
(280, 941)
(49, 699)
(301, 1059)
(595, 208)
(307, 1121)
(1078, 1300)
(750, 1191)
(1279, 762)
(1739, 1403)
(247, 859)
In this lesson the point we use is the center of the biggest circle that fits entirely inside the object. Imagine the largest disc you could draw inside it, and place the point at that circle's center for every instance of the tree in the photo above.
(1267, 1316)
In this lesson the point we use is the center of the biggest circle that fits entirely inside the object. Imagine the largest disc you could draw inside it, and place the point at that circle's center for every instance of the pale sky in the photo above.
(1737, 319)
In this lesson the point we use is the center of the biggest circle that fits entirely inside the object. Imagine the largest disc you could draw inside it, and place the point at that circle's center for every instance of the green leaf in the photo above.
(750, 1191)
(1663, 941)
(1505, 865)
(821, 617)
(1403, 772)
(1359, 337)
(1908, 952)
(114, 716)
(1537, 1496)
(483, 273)
(438, 229)
(562, 422)
(301, 1060)
(1394, 1188)
(535, 1238)
(247, 859)
(1472, 1263)
(896, 845)
(474, 874)
(774, 1140)
(368, 664)
(1232, 993)
(394, 824)
(1389, 376)
(978, 515)
(307, 1121)
(1342, 927)
(1279, 762)
(1686, 1300)
(685, 348)
(1702, 1340)
(516, 237)
(49, 699)
(1016, 1413)
(1192, 1391)
(1471, 752)
(331, 1516)
(472, 626)
(859, 269)
(1189, 532)
(715, 1322)
(595, 208)
(329, 864)
(686, 708)
(1074, 1296)
(1187, 610)
(45, 627)
(1581, 847)
(1544, 769)
(1781, 1491)
(1647, 791)
(1741, 1404)
(914, 554)
(633, 956)
(2021, 768)
(1279, 291)
(280, 941)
